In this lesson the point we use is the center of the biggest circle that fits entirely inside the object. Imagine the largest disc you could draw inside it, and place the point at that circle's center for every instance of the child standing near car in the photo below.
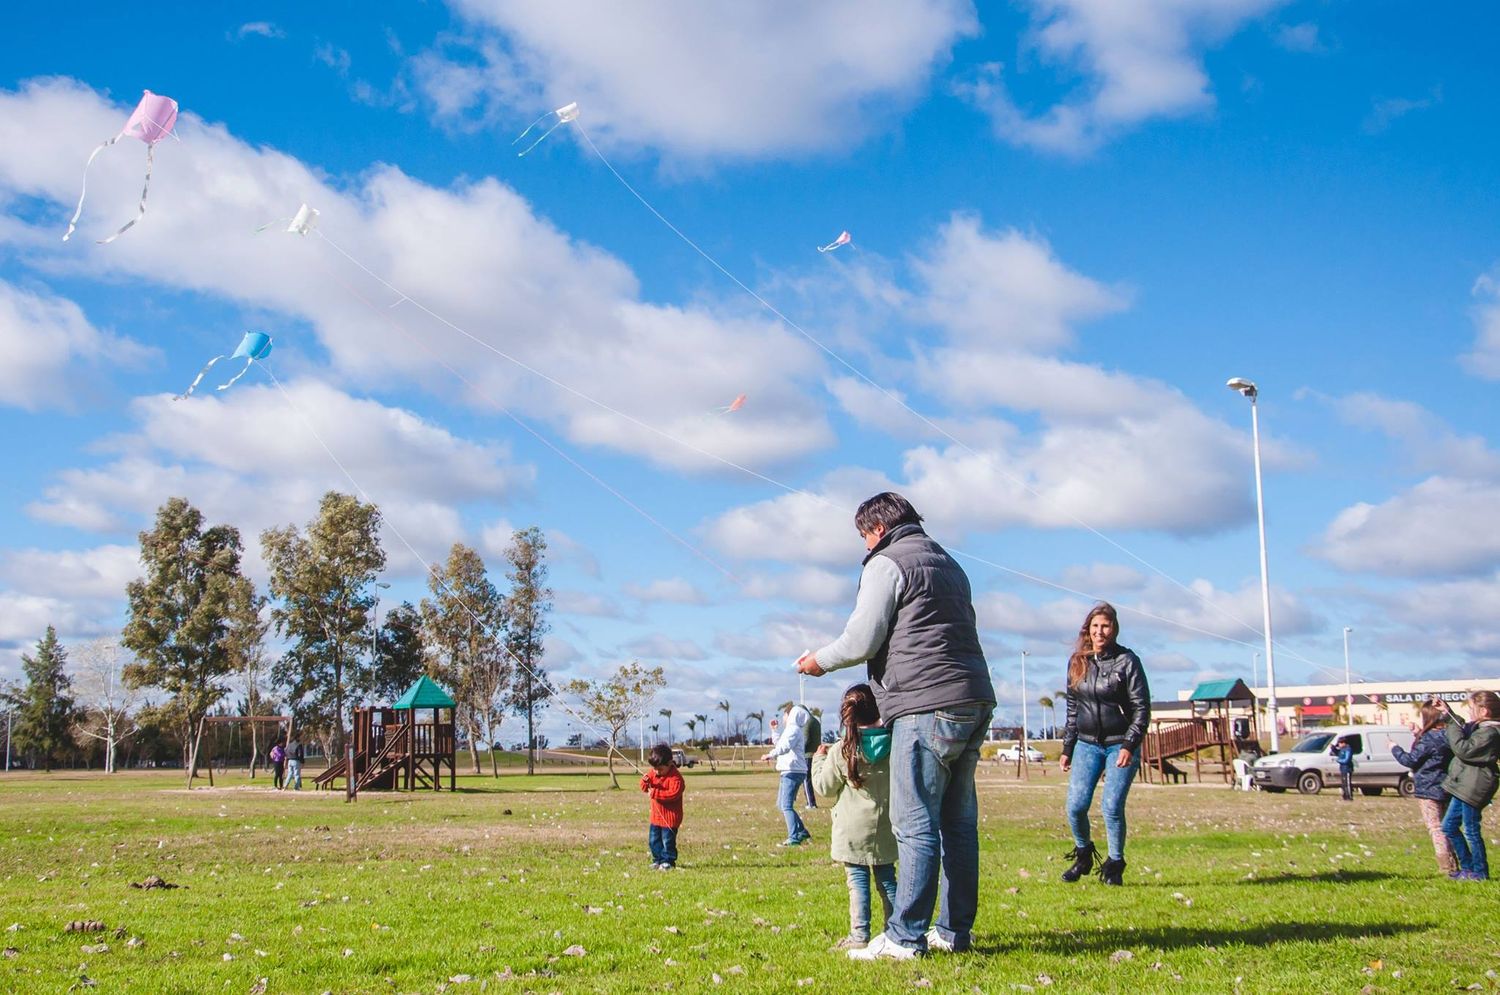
(1471, 780)
(1344, 754)
(664, 785)
(856, 772)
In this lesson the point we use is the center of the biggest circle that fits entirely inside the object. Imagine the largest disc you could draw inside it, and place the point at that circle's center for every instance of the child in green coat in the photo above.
(1471, 781)
(856, 773)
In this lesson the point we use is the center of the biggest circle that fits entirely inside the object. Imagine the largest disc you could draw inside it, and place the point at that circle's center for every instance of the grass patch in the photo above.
(405, 892)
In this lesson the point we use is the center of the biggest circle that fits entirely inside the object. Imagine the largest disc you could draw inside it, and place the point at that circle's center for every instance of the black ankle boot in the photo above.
(1083, 858)
(1113, 871)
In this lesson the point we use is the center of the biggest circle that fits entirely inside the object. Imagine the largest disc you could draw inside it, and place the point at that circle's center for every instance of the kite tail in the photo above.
(530, 126)
(198, 379)
(145, 189)
(235, 379)
(73, 222)
(540, 140)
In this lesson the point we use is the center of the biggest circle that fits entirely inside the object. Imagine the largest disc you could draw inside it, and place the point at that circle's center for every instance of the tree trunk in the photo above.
(494, 762)
(531, 735)
(195, 742)
(609, 757)
(473, 728)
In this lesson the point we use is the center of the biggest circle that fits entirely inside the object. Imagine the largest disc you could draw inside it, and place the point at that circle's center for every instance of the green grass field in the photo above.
(543, 884)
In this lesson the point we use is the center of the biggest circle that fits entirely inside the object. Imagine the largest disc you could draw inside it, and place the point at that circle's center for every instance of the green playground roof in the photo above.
(1234, 690)
(424, 694)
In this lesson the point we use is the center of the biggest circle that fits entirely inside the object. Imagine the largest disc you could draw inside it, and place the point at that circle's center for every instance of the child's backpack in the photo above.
(277, 754)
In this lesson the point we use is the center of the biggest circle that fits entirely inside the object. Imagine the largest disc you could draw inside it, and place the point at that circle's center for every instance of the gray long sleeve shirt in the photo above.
(880, 586)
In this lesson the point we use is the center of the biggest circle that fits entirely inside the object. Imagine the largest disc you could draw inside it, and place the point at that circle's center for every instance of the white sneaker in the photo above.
(884, 948)
(936, 942)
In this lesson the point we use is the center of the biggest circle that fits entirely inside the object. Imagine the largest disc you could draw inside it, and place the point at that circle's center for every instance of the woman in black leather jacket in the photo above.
(1109, 706)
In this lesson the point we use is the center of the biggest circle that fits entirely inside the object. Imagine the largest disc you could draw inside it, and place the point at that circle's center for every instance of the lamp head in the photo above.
(1246, 387)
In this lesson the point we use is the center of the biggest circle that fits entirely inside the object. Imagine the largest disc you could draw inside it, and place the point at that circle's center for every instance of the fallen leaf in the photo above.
(95, 948)
(1121, 955)
(259, 988)
(575, 951)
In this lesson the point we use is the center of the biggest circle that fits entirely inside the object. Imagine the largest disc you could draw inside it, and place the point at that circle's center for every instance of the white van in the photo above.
(1310, 764)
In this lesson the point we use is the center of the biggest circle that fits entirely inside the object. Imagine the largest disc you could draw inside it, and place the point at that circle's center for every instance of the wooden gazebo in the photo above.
(404, 746)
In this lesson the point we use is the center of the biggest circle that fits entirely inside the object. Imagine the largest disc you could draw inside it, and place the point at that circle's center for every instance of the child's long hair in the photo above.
(1432, 717)
(1487, 700)
(858, 709)
(1083, 649)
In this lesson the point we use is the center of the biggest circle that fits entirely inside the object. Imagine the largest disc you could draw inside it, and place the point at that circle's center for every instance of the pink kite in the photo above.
(152, 121)
(734, 405)
(844, 239)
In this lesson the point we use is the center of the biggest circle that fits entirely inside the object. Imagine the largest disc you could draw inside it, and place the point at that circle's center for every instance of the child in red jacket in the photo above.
(664, 785)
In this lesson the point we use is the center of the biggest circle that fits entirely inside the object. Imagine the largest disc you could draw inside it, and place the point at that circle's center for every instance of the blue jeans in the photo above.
(1089, 761)
(663, 843)
(786, 800)
(935, 813)
(1468, 844)
(293, 775)
(858, 876)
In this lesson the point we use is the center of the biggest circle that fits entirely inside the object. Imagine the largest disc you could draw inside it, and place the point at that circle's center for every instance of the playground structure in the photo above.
(1212, 725)
(394, 748)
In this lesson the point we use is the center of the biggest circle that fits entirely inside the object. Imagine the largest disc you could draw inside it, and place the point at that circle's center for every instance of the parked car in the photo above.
(1310, 764)
(681, 759)
(1013, 754)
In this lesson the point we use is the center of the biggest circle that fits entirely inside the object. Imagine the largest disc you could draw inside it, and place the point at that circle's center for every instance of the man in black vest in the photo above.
(913, 625)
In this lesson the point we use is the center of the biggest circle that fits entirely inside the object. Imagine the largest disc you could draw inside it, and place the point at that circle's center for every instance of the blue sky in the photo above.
(1073, 220)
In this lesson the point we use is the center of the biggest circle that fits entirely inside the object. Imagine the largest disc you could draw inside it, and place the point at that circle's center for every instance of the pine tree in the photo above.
(45, 710)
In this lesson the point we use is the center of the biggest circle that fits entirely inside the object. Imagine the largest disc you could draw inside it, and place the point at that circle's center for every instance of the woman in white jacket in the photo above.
(791, 759)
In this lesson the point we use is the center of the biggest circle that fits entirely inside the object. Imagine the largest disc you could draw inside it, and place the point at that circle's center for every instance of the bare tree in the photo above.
(104, 697)
(618, 701)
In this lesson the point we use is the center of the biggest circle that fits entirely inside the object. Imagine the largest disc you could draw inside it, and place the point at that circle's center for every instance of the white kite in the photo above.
(564, 114)
(844, 239)
(304, 221)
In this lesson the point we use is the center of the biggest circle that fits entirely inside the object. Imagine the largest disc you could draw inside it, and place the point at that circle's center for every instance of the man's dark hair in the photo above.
(659, 755)
(887, 508)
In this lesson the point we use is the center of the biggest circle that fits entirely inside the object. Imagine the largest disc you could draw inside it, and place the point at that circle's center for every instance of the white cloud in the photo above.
(1484, 360)
(1388, 111)
(228, 454)
(1005, 290)
(1449, 617)
(807, 585)
(656, 648)
(671, 590)
(570, 602)
(571, 311)
(259, 29)
(781, 637)
(698, 79)
(1443, 525)
(1429, 443)
(101, 572)
(54, 357)
(1138, 59)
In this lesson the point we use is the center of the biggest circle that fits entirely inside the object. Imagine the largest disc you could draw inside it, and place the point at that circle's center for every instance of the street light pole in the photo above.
(1248, 389)
(1348, 685)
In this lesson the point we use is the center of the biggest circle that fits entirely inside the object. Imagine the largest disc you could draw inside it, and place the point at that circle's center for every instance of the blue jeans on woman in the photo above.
(786, 800)
(858, 876)
(935, 813)
(1461, 826)
(1089, 761)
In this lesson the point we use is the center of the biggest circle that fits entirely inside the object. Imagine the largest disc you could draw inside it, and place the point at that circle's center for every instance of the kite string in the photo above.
(428, 567)
(788, 488)
(891, 395)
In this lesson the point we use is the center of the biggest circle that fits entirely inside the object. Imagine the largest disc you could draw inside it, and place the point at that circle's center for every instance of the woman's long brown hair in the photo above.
(1078, 663)
(858, 709)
